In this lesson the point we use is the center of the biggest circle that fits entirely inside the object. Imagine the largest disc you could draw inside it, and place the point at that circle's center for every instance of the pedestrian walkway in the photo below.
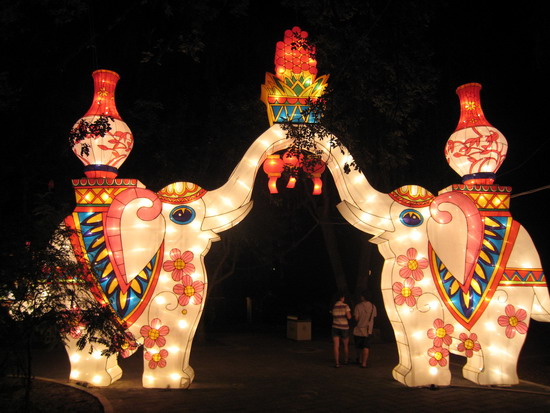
(263, 371)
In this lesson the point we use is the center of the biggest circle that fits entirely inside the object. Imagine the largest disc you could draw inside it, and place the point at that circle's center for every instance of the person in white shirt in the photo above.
(364, 314)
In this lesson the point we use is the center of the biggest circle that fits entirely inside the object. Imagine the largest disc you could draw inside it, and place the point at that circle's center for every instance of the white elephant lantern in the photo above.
(460, 274)
(145, 253)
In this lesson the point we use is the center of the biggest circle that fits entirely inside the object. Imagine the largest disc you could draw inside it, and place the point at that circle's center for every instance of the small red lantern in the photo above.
(292, 162)
(315, 168)
(273, 167)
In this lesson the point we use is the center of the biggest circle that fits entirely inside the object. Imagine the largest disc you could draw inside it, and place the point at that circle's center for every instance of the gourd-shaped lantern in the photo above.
(292, 162)
(273, 167)
(476, 149)
(101, 139)
(315, 168)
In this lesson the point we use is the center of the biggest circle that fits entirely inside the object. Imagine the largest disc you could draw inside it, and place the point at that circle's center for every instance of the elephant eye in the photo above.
(411, 218)
(182, 215)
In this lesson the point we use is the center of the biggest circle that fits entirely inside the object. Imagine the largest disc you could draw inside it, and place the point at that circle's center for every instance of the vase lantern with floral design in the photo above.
(476, 149)
(104, 139)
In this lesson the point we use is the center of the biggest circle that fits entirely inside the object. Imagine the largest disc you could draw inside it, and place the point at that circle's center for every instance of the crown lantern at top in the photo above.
(101, 139)
(476, 149)
(288, 92)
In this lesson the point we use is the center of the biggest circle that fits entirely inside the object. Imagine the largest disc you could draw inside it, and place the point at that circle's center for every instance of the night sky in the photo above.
(198, 109)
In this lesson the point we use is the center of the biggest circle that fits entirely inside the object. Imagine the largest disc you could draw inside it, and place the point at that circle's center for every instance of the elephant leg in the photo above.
(167, 347)
(502, 334)
(493, 366)
(89, 366)
(417, 366)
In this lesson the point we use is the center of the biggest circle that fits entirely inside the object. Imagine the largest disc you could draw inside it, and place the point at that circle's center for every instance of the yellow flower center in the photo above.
(513, 321)
(125, 346)
(406, 292)
(469, 344)
(157, 357)
(189, 291)
(438, 356)
(153, 334)
(179, 264)
(413, 265)
(440, 332)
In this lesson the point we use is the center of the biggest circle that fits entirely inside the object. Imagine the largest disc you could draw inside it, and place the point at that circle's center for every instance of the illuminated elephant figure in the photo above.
(145, 250)
(460, 274)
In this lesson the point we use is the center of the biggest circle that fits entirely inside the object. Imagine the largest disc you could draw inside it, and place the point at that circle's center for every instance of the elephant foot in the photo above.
(491, 376)
(163, 380)
(400, 372)
(96, 378)
(433, 376)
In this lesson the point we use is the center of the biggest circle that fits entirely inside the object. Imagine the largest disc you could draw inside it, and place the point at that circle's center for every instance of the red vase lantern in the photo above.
(292, 162)
(273, 167)
(476, 149)
(106, 140)
(315, 168)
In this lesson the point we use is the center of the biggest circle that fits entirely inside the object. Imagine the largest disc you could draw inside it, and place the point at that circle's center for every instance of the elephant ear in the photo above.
(134, 232)
(455, 231)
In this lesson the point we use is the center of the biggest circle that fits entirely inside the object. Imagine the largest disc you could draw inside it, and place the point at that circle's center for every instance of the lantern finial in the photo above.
(476, 149)
(101, 139)
(288, 92)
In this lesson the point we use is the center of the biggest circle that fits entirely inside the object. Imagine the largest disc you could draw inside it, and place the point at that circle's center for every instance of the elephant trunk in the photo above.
(357, 195)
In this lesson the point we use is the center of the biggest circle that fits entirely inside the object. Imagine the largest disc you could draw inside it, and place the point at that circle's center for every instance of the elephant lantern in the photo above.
(145, 253)
(460, 274)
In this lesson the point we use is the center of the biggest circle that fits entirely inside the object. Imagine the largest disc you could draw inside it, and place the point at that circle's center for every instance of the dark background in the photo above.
(189, 90)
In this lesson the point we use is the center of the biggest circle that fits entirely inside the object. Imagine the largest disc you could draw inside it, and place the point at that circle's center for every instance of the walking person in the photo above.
(364, 314)
(341, 313)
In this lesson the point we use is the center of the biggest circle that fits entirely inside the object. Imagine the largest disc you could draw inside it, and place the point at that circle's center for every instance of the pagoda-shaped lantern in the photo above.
(290, 96)
(288, 92)
(476, 149)
(103, 140)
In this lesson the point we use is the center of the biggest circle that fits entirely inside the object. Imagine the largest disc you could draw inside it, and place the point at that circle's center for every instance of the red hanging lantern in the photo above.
(315, 168)
(292, 162)
(273, 167)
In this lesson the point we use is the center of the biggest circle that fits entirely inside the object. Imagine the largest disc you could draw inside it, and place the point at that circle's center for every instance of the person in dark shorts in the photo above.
(341, 313)
(364, 314)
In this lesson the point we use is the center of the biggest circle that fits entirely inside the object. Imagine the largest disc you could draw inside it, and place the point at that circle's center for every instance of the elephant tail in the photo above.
(541, 304)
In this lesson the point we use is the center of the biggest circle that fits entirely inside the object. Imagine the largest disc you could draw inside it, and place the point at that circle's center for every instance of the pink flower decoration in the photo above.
(441, 334)
(406, 293)
(129, 346)
(189, 289)
(412, 267)
(468, 344)
(180, 265)
(438, 355)
(156, 359)
(154, 334)
(513, 321)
